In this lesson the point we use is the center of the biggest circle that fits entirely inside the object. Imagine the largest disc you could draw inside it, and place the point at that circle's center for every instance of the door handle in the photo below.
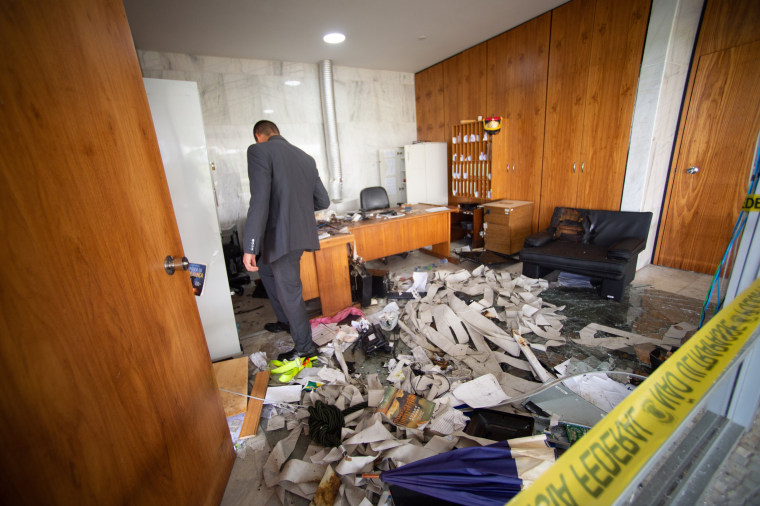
(170, 264)
(692, 170)
(573, 167)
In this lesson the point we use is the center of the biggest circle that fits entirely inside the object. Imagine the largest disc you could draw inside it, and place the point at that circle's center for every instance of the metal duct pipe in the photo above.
(331, 130)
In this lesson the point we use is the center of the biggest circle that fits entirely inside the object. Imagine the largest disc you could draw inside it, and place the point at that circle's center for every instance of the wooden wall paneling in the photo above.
(617, 48)
(428, 96)
(518, 62)
(727, 24)
(464, 85)
(569, 54)
(527, 102)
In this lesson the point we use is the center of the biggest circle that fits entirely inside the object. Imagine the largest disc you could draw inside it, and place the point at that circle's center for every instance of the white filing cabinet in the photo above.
(426, 173)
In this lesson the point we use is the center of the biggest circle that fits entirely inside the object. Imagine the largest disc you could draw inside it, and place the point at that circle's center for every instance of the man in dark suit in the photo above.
(285, 192)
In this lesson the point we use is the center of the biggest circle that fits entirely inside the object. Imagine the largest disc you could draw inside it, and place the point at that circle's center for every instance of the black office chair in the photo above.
(374, 197)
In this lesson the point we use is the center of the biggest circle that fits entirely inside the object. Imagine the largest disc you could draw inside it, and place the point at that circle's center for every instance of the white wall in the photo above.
(375, 110)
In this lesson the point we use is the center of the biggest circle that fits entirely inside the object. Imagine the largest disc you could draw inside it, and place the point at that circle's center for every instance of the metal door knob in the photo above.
(170, 264)
(692, 170)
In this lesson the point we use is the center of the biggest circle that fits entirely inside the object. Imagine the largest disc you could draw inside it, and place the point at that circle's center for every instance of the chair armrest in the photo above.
(624, 249)
(538, 239)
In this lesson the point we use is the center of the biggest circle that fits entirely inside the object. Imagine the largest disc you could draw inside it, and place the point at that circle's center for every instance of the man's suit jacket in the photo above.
(285, 192)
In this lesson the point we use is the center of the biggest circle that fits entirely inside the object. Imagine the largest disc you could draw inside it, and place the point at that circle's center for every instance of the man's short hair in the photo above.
(265, 127)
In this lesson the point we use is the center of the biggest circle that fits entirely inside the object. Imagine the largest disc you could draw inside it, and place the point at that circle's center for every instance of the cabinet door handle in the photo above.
(583, 165)
(573, 167)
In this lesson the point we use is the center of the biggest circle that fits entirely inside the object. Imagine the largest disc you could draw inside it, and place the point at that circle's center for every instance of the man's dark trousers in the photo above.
(282, 281)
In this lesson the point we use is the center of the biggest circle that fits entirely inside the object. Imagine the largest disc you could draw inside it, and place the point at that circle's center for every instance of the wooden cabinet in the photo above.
(428, 97)
(518, 62)
(595, 56)
(507, 224)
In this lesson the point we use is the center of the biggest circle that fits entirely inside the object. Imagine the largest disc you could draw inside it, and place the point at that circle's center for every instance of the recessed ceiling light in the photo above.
(292, 83)
(334, 38)
(268, 111)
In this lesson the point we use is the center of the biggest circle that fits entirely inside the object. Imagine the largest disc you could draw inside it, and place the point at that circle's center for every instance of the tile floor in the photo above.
(658, 297)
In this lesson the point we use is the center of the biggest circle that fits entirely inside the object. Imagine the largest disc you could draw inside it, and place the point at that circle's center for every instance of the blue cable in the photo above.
(735, 234)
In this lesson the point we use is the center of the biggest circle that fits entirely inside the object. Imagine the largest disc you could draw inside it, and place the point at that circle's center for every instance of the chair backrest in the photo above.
(374, 197)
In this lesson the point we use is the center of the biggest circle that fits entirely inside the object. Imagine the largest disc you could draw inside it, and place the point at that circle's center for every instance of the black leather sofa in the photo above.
(603, 245)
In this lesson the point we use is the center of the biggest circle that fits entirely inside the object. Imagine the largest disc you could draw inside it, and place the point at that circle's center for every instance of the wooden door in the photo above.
(719, 136)
(108, 391)
(570, 50)
(428, 97)
(617, 47)
(517, 72)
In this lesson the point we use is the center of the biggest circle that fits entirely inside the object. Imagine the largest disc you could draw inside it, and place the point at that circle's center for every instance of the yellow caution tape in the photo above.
(751, 203)
(598, 467)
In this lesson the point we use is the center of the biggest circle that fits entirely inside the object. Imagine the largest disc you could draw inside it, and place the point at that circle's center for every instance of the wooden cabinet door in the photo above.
(722, 124)
(616, 51)
(517, 71)
(109, 396)
(569, 54)
(428, 97)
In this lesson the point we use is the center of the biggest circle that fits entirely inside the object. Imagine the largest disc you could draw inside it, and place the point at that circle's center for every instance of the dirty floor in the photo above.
(657, 299)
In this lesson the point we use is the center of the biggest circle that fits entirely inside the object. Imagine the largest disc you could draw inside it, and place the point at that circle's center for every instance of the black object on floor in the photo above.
(259, 292)
(487, 257)
(499, 426)
(276, 327)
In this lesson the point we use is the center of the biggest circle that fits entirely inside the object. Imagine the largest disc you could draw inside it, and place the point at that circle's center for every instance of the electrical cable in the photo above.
(729, 257)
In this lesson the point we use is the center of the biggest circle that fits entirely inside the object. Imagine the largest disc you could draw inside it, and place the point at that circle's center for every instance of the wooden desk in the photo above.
(382, 237)
(324, 274)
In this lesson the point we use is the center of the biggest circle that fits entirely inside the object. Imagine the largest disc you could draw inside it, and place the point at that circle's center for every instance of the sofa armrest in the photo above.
(624, 249)
(538, 239)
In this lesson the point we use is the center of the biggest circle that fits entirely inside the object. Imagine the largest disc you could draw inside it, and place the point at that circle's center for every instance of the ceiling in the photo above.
(400, 35)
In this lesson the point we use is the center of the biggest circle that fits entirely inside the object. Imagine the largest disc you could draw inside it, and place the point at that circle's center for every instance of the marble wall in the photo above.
(664, 71)
(375, 110)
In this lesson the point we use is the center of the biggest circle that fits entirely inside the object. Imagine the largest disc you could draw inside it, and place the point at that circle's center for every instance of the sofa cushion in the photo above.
(570, 224)
(587, 259)
(609, 227)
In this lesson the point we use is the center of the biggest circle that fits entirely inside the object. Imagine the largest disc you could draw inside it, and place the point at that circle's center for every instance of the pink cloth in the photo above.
(338, 317)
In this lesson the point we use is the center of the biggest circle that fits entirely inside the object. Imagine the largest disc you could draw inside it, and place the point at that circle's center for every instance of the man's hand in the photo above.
(249, 261)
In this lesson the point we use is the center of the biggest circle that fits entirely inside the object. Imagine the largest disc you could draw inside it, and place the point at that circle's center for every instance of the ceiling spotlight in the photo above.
(268, 111)
(334, 38)
(292, 83)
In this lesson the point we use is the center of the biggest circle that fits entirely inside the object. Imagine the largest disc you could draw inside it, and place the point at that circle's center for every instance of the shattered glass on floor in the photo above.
(473, 341)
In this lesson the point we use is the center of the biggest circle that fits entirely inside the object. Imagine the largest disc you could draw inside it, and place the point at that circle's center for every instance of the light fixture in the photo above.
(292, 83)
(268, 111)
(334, 38)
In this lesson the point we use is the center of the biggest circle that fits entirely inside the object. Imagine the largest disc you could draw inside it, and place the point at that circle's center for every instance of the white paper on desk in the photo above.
(420, 282)
(287, 393)
(323, 235)
(436, 209)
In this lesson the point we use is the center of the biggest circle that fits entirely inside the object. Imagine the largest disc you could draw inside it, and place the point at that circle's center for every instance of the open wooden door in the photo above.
(712, 168)
(108, 395)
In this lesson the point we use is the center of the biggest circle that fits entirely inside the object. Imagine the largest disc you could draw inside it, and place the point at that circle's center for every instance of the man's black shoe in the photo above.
(277, 327)
(293, 354)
